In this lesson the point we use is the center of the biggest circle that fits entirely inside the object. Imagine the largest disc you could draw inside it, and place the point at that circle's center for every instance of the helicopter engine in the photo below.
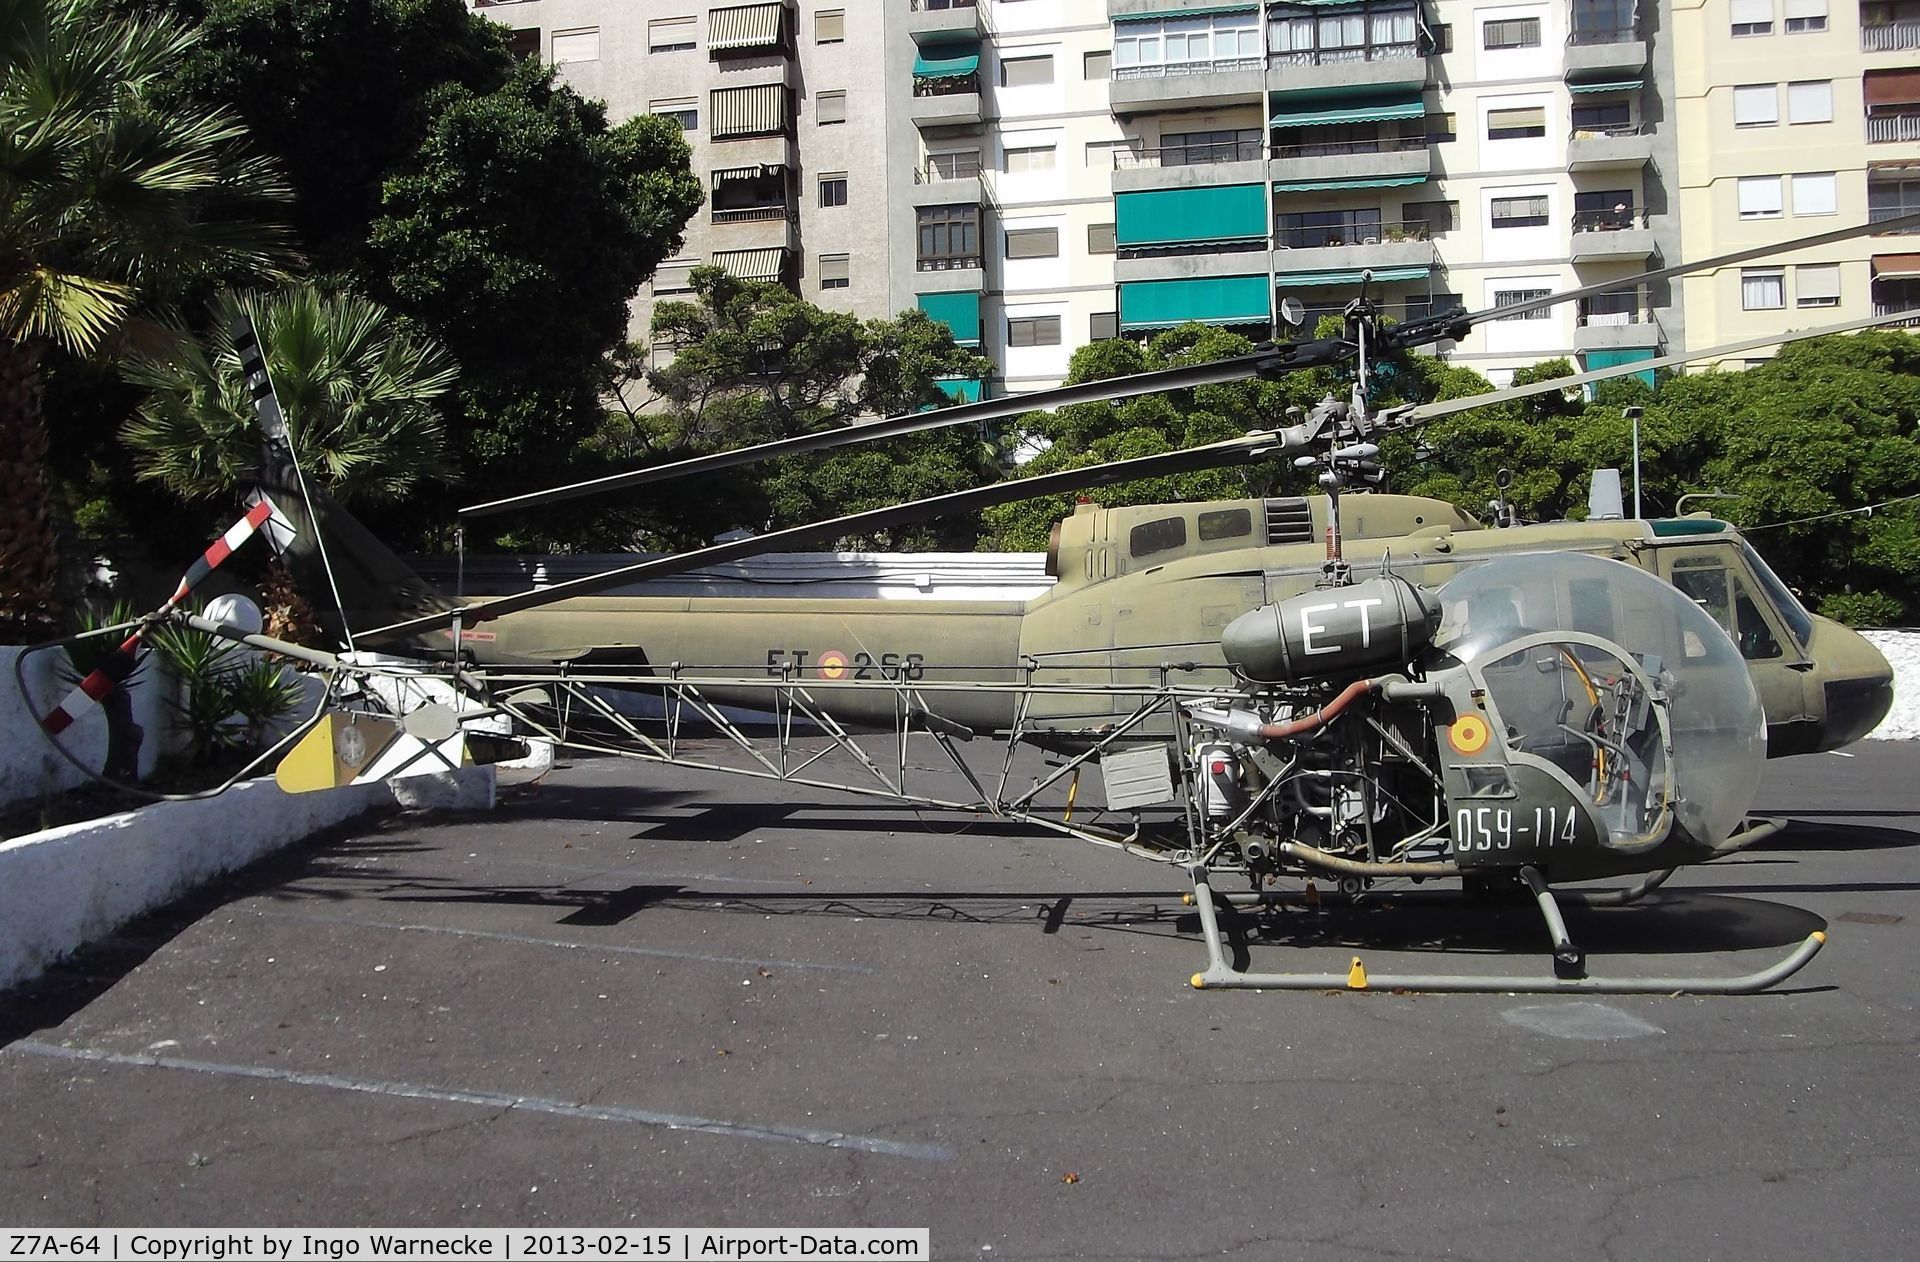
(1497, 722)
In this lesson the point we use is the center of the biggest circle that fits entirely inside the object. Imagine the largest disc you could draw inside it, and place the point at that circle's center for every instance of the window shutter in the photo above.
(1033, 243)
(829, 26)
(1756, 105)
(1750, 12)
(830, 107)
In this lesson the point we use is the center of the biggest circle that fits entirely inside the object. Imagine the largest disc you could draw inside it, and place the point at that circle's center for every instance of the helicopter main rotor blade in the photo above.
(1467, 403)
(1268, 359)
(1902, 224)
(1212, 456)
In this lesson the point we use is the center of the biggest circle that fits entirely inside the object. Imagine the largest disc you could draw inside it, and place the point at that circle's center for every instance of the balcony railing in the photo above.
(1897, 306)
(1363, 232)
(949, 263)
(1160, 70)
(1335, 56)
(1586, 36)
(1891, 37)
(1884, 129)
(1347, 148)
(1880, 214)
(748, 214)
(1615, 220)
(948, 85)
(935, 6)
(1607, 131)
(1190, 155)
(1597, 315)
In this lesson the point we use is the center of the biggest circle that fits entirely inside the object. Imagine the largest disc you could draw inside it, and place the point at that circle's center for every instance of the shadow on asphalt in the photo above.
(1818, 834)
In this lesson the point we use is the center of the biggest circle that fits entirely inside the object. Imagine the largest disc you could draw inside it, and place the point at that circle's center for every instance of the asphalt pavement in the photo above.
(644, 996)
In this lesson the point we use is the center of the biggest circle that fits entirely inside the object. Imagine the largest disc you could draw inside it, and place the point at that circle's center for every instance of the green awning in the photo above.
(959, 312)
(1613, 359)
(925, 67)
(1378, 110)
(1185, 13)
(961, 389)
(1163, 304)
(1350, 276)
(1317, 186)
(1179, 216)
(1625, 85)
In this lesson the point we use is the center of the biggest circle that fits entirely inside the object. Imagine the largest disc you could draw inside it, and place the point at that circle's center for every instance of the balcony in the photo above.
(934, 186)
(951, 101)
(1883, 214)
(1605, 236)
(1622, 146)
(1233, 259)
(1385, 66)
(1890, 37)
(1893, 129)
(1603, 49)
(1399, 249)
(1613, 322)
(946, 21)
(1182, 85)
(1189, 166)
(1396, 158)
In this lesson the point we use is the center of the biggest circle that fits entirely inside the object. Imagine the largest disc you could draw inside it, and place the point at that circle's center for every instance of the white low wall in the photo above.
(30, 768)
(1902, 651)
(65, 887)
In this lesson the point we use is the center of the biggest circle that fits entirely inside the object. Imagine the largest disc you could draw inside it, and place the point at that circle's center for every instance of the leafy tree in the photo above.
(109, 197)
(466, 189)
(356, 386)
(753, 363)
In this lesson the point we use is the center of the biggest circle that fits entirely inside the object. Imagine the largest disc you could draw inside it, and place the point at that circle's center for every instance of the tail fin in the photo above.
(352, 579)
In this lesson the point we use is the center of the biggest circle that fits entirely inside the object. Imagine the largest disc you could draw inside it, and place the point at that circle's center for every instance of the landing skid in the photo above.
(1569, 964)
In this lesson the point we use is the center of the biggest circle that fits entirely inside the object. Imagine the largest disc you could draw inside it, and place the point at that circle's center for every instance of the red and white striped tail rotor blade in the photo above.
(111, 673)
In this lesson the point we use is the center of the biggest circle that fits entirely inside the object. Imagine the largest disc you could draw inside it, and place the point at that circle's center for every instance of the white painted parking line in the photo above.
(601, 947)
(497, 1100)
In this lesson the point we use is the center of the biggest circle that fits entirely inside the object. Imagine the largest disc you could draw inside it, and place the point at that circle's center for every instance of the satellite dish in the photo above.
(1292, 313)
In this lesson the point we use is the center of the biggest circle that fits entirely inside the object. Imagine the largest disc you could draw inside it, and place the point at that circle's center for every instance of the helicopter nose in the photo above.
(1857, 679)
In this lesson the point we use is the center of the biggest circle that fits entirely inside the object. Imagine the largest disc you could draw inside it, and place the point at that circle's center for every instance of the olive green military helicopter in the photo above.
(1351, 687)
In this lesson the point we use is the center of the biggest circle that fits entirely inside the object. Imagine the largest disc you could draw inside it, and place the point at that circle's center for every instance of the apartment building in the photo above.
(1039, 174)
(1795, 116)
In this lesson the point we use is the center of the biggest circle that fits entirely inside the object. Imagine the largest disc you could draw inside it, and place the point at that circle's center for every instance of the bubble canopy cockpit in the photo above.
(1618, 686)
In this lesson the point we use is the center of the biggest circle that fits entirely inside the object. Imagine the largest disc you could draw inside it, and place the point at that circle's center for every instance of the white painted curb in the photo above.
(65, 887)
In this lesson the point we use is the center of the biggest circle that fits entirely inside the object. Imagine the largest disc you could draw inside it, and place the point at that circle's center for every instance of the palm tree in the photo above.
(109, 197)
(357, 388)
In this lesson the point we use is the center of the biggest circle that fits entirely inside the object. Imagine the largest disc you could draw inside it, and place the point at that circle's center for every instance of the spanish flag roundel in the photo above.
(833, 664)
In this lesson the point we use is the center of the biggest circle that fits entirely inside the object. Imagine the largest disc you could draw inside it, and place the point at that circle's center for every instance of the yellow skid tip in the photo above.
(1199, 981)
(1820, 936)
(1357, 975)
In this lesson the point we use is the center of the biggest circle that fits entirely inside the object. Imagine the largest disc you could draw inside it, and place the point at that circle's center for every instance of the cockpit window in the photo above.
(1706, 586)
(1777, 594)
(1756, 637)
(1157, 536)
(1227, 523)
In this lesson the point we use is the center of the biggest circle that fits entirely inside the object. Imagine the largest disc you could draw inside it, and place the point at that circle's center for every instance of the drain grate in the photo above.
(1870, 918)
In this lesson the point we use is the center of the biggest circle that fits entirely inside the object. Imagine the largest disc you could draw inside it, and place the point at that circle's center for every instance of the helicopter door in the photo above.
(1712, 580)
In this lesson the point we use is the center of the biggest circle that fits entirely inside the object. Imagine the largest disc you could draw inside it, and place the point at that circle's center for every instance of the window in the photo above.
(1199, 148)
(1033, 243)
(830, 107)
(1441, 127)
(1814, 194)
(1762, 288)
(1437, 217)
(1511, 33)
(1226, 523)
(1103, 326)
(1100, 238)
(1514, 297)
(1817, 285)
(524, 43)
(1030, 158)
(1186, 44)
(833, 189)
(1520, 212)
(1891, 199)
(1604, 118)
(830, 26)
(669, 35)
(1442, 37)
(949, 237)
(1603, 210)
(579, 45)
(1033, 331)
(1760, 197)
(833, 271)
(1157, 536)
(1312, 229)
(1100, 153)
(684, 111)
(1524, 124)
(1756, 105)
(674, 277)
(1751, 17)
(1810, 102)
(957, 164)
(1026, 72)
(1097, 65)
(1806, 16)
